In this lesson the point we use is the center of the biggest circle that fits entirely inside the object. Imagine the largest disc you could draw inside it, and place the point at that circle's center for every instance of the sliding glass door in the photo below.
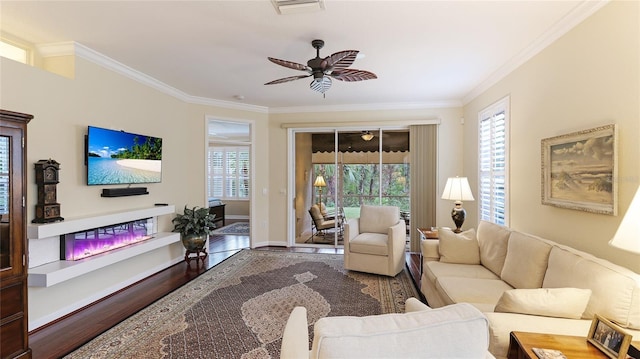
(339, 170)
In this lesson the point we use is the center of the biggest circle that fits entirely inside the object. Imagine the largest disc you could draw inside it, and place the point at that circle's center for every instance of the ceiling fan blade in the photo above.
(351, 75)
(339, 60)
(286, 79)
(321, 85)
(290, 64)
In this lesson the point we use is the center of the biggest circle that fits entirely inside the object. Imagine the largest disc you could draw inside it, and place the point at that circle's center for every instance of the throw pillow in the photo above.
(526, 261)
(460, 248)
(493, 240)
(549, 302)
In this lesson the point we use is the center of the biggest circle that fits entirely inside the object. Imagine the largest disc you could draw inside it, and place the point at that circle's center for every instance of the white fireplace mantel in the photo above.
(58, 271)
(71, 225)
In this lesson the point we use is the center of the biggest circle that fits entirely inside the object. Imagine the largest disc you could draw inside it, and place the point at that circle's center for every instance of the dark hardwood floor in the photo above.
(72, 331)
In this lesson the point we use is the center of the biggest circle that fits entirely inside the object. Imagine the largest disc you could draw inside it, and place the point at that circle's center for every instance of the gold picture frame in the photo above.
(609, 338)
(580, 170)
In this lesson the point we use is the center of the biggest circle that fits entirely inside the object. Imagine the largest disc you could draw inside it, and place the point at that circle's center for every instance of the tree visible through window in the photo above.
(493, 164)
(228, 172)
(361, 184)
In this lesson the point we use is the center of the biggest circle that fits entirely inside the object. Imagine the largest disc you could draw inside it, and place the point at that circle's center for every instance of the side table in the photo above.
(426, 234)
(520, 344)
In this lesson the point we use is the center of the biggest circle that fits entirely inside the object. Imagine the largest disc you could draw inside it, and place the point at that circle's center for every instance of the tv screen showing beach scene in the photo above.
(118, 157)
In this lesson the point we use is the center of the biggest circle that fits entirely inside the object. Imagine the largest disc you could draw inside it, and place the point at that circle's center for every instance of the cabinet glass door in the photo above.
(5, 203)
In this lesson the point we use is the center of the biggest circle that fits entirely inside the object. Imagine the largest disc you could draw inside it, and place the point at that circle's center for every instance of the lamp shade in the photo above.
(457, 189)
(627, 236)
(319, 182)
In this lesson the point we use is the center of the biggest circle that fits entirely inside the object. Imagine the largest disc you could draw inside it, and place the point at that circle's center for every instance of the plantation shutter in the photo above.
(493, 163)
(228, 172)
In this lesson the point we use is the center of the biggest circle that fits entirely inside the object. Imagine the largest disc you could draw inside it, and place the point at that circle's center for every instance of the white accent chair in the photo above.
(375, 242)
(456, 331)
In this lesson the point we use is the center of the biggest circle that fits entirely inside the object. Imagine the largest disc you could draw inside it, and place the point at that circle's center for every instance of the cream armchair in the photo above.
(375, 242)
(456, 331)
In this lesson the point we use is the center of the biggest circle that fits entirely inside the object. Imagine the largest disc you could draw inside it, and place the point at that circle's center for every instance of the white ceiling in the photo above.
(425, 53)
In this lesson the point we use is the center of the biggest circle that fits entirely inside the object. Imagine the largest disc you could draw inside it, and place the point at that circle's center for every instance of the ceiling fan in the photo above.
(323, 69)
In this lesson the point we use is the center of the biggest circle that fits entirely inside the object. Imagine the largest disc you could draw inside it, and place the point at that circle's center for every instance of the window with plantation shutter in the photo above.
(493, 156)
(228, 172)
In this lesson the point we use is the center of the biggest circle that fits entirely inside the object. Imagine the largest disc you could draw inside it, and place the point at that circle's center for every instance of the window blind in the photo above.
(493, 162)
(228, 172)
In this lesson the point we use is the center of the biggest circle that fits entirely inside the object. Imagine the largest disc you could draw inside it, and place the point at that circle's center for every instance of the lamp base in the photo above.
(458, 214)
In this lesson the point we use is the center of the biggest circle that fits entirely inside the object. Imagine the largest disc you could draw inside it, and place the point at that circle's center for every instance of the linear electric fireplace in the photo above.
(79, 245)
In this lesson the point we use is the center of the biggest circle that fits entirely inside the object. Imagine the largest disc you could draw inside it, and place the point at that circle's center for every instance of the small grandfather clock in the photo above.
(47, 209)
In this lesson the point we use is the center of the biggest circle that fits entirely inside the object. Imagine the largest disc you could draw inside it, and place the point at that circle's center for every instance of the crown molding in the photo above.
(576, 16)
(74, 48)
(569, 21)
(227, 104)
(369, 107)
(65, 48)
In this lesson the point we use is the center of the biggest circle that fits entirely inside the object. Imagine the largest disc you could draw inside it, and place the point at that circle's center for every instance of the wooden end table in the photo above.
(520, 344)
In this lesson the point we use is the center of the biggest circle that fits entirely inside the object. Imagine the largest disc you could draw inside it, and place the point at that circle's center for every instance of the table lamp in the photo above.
(627, 236)
(457, 189)
(319, 182)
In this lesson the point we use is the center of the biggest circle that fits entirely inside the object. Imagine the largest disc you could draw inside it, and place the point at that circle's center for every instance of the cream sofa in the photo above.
(456, 331)
(525, 283)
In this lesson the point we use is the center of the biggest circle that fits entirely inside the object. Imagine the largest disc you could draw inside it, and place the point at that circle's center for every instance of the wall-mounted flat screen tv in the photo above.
(118, 157)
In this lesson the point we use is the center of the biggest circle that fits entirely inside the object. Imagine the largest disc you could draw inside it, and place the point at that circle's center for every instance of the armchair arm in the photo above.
(397, 243)
(414, 305)
(351, 229)
(295, 339)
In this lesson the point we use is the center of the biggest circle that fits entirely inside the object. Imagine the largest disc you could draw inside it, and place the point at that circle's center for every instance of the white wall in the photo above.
(589, 77)
(63, 108)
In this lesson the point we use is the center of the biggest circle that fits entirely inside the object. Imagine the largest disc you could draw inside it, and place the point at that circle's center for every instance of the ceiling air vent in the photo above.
(284, 7)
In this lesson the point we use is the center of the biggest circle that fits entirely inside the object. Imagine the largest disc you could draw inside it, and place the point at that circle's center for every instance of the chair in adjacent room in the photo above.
(375, 242)
(320, 224)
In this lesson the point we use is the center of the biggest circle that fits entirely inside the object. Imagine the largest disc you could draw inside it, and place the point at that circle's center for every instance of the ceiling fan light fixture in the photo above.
(367, 136)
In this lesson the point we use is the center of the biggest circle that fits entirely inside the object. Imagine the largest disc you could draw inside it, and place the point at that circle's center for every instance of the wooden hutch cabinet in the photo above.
(14, 326)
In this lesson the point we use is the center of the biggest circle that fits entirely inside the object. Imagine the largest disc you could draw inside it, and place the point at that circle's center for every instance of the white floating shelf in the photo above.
(46, 230)
(49, 274)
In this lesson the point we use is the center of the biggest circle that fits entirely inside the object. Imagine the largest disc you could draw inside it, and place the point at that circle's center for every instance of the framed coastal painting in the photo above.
(579, 170)
(610, 338)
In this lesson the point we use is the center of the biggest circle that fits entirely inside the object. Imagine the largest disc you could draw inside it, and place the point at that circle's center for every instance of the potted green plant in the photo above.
(195, 225)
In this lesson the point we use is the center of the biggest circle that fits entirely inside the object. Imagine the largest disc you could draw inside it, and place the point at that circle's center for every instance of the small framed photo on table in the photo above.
(610, 338)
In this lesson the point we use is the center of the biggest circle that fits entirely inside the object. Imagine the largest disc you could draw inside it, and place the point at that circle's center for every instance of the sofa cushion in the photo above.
(433, 270)
(550, 302)
(397, 335)
(471, 290)
(370, 243)
(493, 240)
(615, 290)
(459, 247)
(378, 219)
(526, 261)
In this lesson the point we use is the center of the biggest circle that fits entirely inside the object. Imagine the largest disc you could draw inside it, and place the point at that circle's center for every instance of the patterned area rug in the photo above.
(240, 228)
(239, 308)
